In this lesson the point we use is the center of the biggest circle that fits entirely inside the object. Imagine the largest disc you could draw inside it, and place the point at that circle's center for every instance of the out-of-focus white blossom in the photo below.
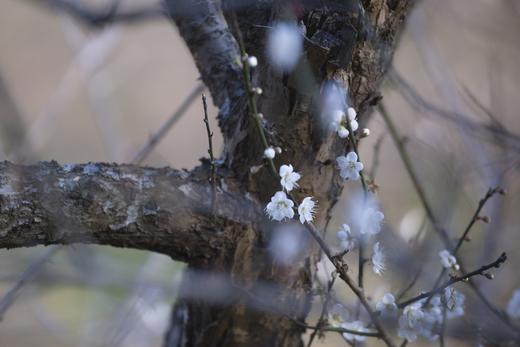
(387, 304)
(371, 220)
(378, 260)
(288, 177)
(280, 207)
(338, 315)
(513, 306)
(346, 240)
(306, 210)
(349, 166)
(410, 322)
(448, 260)
(287, 243)
(284, 45)
(269, 153)
(421, 319)
(454, 303)
(356, 326)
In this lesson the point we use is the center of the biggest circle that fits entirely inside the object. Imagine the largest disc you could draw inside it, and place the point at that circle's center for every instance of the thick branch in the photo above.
(216, 55)
(162, 210)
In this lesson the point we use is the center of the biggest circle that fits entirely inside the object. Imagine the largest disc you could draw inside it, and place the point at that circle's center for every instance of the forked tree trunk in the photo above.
(234, 293)
(350, 43)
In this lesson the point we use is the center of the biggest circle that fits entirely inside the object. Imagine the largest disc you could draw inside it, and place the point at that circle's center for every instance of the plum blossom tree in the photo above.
(278, 72)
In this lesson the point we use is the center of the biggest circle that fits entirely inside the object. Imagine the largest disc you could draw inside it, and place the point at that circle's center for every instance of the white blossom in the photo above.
(269, 153)
(284, 45)
(346, 240)
(306, 210)
(252, 61)
(448, 260)
(339, 122)
(356, 326)
(378, 260)
(387, 304)
(370, 221)
(454, 303)
(280, 207)
(513, 306)
(338, 315)
(421, 319)
(288, 177)
(410, 322)
(349, 166)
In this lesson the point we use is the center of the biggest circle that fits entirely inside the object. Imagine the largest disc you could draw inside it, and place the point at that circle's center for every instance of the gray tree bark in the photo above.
(170, 211)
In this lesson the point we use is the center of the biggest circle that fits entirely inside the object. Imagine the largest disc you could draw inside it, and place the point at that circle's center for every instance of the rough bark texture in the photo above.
(161, 210)
(349, 43)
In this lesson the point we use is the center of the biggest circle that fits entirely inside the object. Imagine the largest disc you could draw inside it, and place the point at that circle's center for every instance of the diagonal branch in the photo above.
(482, 271)
(100, 17)
(161, 210)
(216, 54)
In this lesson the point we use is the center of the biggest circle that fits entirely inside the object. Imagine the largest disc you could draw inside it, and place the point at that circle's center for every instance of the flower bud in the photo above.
(269, 153)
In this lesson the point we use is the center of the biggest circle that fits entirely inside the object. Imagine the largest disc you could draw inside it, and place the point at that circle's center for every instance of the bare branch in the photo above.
(10, 296)
(163, 130)
(101, 17)
(162, 210)
(12, 129)
(418, 102)
(482, 271)
(216, 55)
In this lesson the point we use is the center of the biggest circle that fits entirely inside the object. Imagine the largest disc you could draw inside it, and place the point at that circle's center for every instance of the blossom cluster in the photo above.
(421, 318)
(281, 206)
(365, 223)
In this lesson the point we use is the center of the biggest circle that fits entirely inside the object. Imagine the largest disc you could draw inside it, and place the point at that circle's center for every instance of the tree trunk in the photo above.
(234, 293)
(349, 43)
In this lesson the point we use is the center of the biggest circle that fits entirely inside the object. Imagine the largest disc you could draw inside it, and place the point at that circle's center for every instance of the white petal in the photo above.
(352, 156)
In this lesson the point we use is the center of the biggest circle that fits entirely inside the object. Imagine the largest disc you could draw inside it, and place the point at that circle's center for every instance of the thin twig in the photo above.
(361, 259)
(377, 154)
(210, 152)
(99, 18)
(464, 235)
(409, 286)
(163, 130)
(476, 217)
(8, 299)
(341, 268)
(418, 102)
(479, 272)
(443, 325)
(269, 306)
(251, 95)
(429, 212)
(403, 153)
(325, 303)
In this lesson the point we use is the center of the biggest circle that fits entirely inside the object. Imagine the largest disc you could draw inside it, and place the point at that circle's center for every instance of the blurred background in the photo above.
(86, 94)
